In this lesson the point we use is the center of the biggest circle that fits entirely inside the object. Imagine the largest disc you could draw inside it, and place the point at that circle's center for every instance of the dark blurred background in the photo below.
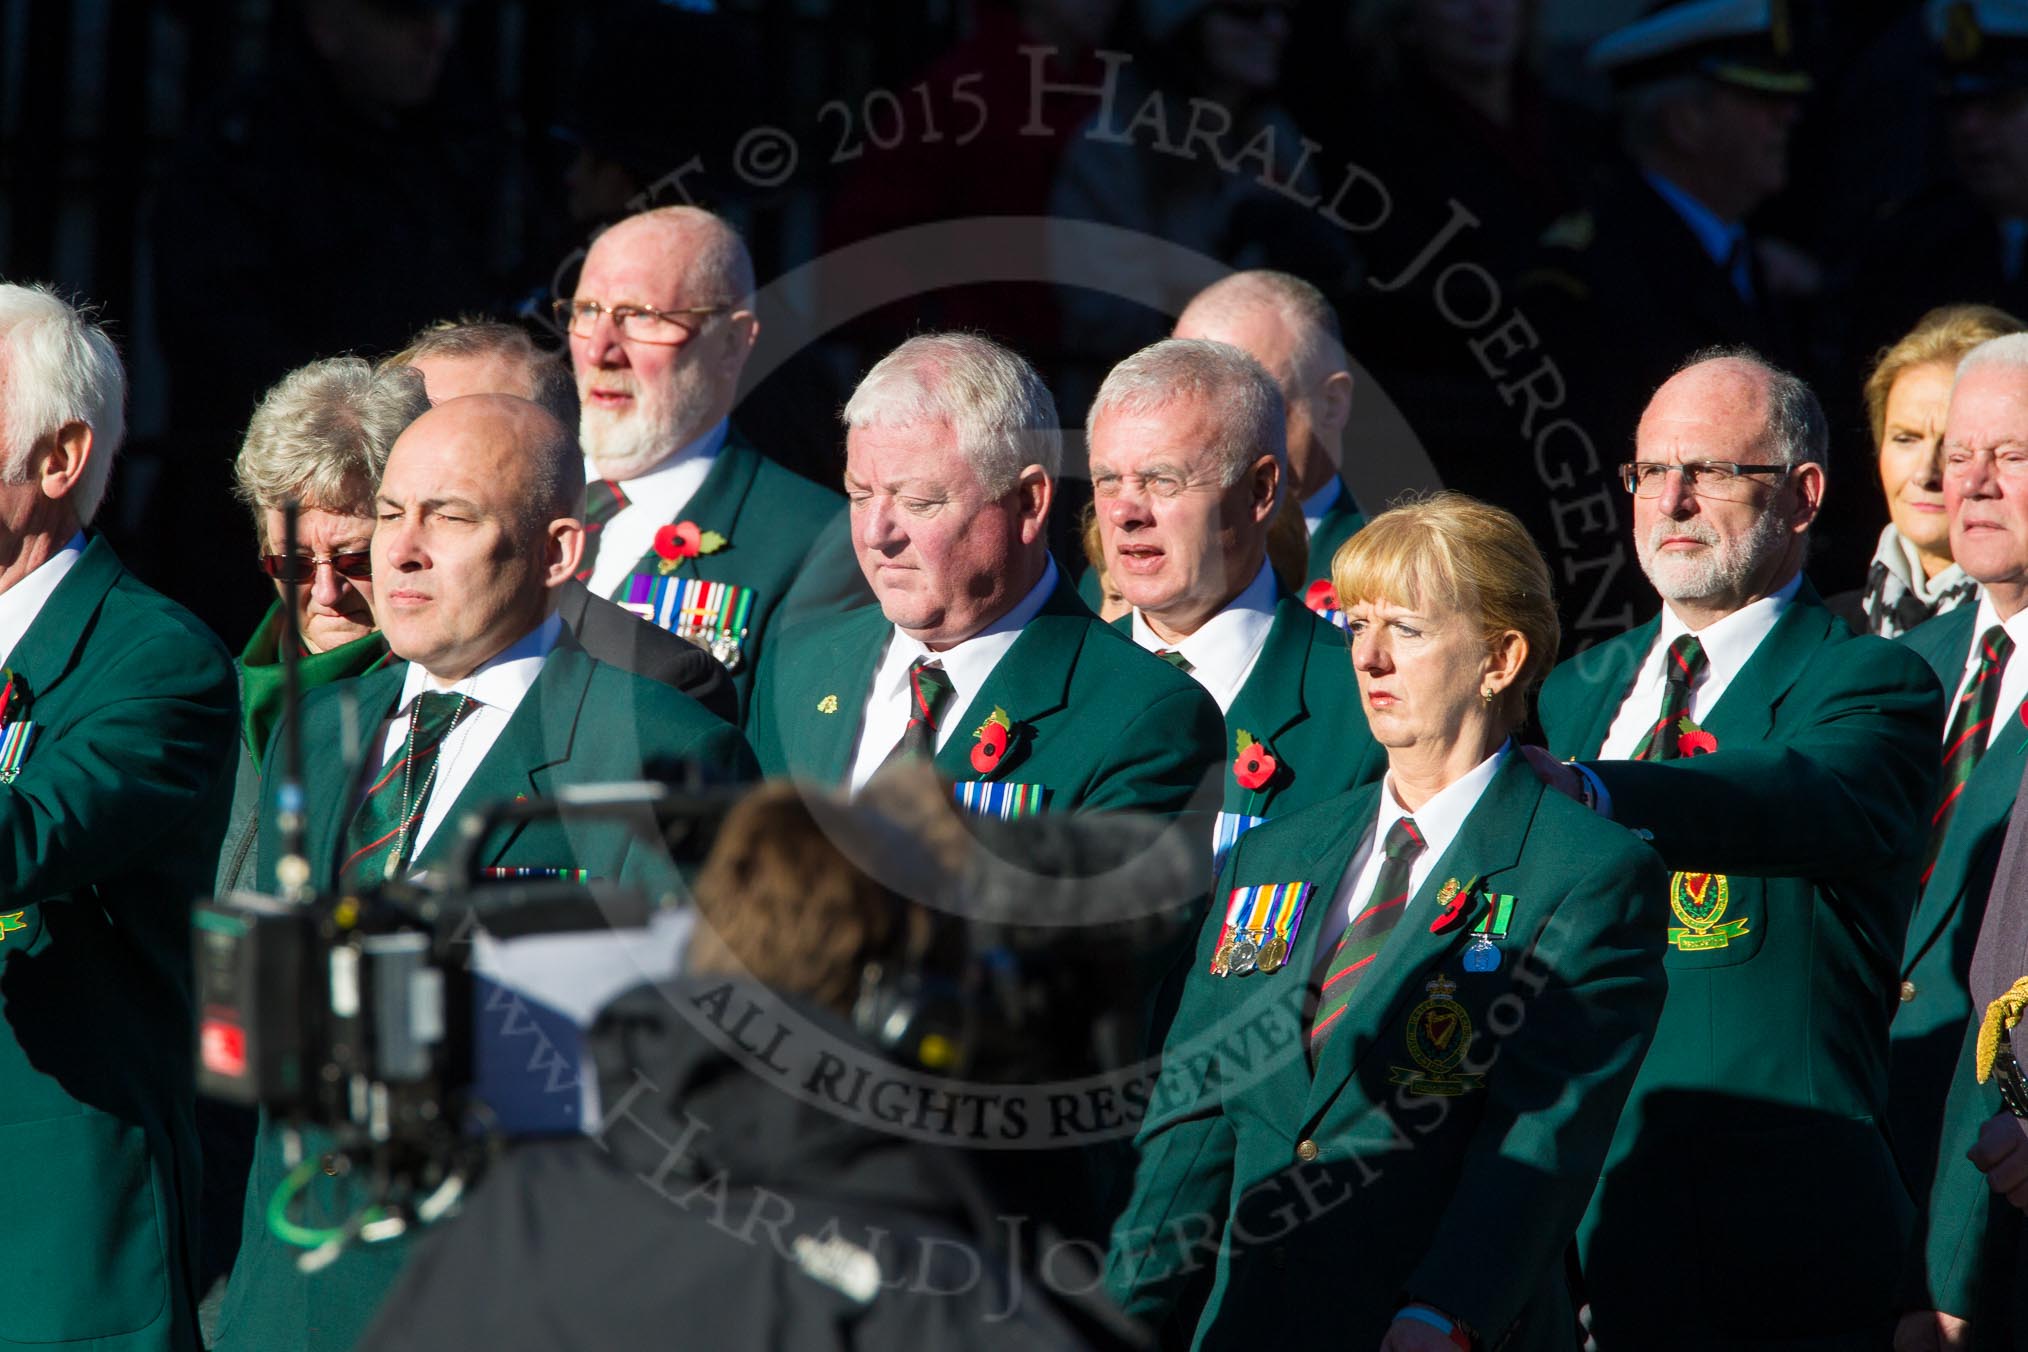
(244, 186)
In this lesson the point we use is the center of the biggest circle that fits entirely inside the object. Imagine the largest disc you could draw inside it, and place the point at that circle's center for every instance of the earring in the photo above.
(1486, 695)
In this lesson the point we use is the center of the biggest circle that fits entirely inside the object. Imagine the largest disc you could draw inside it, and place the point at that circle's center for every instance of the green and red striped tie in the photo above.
(929, 693)
(380, 839)
(1361, 942)
(1680, 670)
(602, 502)
(1971, 729)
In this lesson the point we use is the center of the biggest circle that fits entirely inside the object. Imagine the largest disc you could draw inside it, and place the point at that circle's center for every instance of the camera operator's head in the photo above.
(476, 527)
(781, 902)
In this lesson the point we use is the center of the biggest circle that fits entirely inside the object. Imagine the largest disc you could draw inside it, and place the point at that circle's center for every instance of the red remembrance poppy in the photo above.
(992, 746)
(1254, 768)
(679, 541)
(1698, 743)
(1321, 595)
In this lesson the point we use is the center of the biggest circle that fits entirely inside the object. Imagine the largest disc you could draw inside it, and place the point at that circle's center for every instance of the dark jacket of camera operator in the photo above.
(476, 532)
(751, 1183)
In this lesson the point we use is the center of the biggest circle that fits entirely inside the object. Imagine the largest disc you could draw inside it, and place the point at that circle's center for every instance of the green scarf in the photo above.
(260, 674)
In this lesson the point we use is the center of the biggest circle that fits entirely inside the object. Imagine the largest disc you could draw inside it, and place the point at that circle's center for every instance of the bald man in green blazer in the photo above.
(1784, 770)
(1443, 1147)
(979, 658)
(468, 559)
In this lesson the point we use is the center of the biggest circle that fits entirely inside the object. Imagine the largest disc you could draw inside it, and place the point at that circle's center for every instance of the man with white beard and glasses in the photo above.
(1785, 771)
(686, 523)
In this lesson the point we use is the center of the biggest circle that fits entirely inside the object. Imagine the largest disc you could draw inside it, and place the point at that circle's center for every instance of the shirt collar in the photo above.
(22, 602)
(1439, 820)
(1716, 234)
(968, 663)
(1729, 642)
(501, 681)
(1318, 504)
(704, 448)
(2017, 628)
(1223, 649)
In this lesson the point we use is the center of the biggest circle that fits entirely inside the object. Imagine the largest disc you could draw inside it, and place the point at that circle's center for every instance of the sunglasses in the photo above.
(303, 567)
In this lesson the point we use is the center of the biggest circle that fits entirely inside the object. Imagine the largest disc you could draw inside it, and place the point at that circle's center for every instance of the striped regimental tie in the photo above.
(1175, 658)
(1971, 729)
(602, 502)
(1361, 942)
(929, 692)
(380, 839)
(1680, 672)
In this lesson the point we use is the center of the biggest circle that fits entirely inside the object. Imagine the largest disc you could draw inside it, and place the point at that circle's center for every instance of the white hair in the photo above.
(1243, 402)
(2009, 349)
(321, 436)
(1319, 348)
(58, 367)
(999, 408)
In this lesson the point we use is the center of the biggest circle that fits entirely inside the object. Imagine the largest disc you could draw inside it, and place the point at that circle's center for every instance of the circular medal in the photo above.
(1221, 961)
(1482, 956)
(1273, 953)
(725, 648)
(1245, 950)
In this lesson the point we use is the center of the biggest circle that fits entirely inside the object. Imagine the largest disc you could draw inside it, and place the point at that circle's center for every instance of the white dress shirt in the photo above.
(1321, 502)
(22, 602)
(497, 687)
(2013, 676)
(1438, 820)
(968, 664)
(1727, 644)
(653, 501)
(1225, 647)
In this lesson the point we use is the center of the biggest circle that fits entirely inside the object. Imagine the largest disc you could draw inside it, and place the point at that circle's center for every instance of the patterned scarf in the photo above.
(1899, 597)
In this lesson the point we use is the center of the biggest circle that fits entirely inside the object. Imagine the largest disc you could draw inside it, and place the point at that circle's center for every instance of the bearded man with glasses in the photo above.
(686, 523)
(1785, 770)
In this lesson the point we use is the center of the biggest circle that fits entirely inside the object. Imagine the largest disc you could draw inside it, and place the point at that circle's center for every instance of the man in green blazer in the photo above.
(1288, 326)
(493, 701)
(1783, 768)
(1974, 652)
(117, 726)
(1186, 451)
(687, 524)
(1442, 1149)
(980, 656)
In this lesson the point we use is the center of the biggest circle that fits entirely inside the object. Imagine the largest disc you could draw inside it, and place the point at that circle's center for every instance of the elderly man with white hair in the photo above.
(1290, 328)
(980, 657)
(1188, 469)
(117, 728)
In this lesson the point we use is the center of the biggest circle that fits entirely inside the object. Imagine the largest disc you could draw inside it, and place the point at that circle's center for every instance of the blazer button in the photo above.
(1306, 1150)
(330, 1163)
(1907, 991)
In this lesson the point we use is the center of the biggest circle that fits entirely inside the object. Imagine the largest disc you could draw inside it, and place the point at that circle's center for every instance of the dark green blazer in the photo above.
(1760, 1101)
(1099, 725)
(115, 818)
(1973, 1259)
(1313, 1205)
(582, 722)
(1340, 524)
(1935, 960)
(769, 517)
(1301, 701)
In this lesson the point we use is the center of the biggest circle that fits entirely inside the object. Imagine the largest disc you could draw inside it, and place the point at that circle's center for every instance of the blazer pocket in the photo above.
(1714, 920)
(82, 1239)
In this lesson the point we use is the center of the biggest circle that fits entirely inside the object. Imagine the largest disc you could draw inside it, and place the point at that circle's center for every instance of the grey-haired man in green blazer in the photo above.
(980, 657)
(1783, 769)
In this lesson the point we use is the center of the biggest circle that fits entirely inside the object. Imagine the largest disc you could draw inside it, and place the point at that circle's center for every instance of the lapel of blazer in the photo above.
(538, 737)
(1747, 708)
(48, 649)
(1987, 799)
(1605, 678)
(1030, 681)
(1488, 843)
(331, 785)
(837, 665)
(716, 506)
(1270, 701)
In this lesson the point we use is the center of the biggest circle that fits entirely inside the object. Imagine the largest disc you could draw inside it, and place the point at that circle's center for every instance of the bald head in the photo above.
(696, 250)
(476, 527)
(1286, 325)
